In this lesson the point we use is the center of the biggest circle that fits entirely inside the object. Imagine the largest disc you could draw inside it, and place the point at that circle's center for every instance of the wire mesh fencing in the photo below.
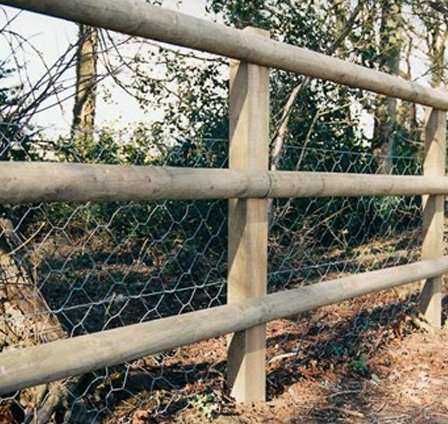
(70, 269)
(318, 239)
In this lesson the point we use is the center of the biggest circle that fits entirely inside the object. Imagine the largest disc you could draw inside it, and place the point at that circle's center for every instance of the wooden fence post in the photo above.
(433, 214)
(248, 224)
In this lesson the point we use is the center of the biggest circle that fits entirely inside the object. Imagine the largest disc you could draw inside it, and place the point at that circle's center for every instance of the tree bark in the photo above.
(84, 109)
(436, 38)
(389, 61)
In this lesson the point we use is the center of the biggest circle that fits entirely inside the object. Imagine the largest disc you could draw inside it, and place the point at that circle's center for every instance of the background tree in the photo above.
(434, 16)
(389, 55)
(84, 109)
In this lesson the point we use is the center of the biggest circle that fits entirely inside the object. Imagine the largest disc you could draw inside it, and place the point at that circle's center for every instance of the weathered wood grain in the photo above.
(433, 214)
(248, 225)
(62, 182)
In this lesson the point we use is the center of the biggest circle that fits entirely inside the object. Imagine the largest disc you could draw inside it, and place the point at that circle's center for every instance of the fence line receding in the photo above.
(247, 184)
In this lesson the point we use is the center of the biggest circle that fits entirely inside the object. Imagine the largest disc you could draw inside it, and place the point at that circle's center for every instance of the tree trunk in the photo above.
(281, 132)
(389, 61)
(86, 82)
(407, 115)
(436, 38)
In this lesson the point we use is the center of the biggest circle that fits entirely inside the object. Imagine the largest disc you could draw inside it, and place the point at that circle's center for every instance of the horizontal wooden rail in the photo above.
(135, 17)
(315, 184)
(53, 182)
(62, 182)
(60, 359)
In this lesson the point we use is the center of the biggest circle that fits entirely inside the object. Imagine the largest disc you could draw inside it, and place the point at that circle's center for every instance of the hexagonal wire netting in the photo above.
(71, 269)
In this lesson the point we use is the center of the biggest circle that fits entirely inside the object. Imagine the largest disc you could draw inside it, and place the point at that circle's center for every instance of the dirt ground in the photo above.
(407, 383)
(369, 360)
(341, 364)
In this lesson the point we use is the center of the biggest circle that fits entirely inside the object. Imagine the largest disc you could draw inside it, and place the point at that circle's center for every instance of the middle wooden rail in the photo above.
(62, 182)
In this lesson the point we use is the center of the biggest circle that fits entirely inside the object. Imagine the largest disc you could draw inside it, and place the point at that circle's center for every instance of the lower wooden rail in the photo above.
(64, 358)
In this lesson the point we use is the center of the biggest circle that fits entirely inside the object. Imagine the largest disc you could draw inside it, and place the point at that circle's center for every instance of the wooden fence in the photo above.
(248, 184)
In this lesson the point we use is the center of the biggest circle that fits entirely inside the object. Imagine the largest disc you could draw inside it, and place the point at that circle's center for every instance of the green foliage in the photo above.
(167, 226)
(6, 90)
(360, 365)
(192, 96)
(207, 405)
(299, 23)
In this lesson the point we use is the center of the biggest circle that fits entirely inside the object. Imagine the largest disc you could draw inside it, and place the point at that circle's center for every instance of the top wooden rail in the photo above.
(135, 17)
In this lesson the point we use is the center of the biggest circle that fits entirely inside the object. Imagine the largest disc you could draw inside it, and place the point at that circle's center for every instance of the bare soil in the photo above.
(347, 363)
(370, 360)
